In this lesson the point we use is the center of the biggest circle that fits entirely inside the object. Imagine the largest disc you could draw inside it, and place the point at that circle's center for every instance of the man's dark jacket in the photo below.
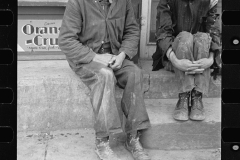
(174, 16)
(84, 28)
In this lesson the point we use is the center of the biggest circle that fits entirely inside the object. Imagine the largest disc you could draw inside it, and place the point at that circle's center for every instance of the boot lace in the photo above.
(182, 101)
(196, 101)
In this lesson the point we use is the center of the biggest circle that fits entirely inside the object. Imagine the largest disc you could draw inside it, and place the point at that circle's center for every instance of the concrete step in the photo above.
(163, 84)
(79, 144)
(51, 97)
(157, 84)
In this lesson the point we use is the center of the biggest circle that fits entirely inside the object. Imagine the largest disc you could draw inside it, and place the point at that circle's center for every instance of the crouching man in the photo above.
(188, 38)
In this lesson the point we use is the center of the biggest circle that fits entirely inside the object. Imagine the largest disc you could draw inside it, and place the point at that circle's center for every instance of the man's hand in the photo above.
(103, 58)
(195, 71)
(183, 64)
(116, 62)
(204, 62)
(186, 65)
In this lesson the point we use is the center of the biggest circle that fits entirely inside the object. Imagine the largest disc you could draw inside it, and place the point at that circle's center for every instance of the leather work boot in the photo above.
(134, 146)
(103, 149)
(181, 111)
(197, 110)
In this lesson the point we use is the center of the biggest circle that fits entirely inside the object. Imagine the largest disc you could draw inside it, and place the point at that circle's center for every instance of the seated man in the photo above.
(99, 37)
(188, 36)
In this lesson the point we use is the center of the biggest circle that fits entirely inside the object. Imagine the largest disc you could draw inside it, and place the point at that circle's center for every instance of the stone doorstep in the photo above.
(157, 84)
(163, 84)
(79, 144)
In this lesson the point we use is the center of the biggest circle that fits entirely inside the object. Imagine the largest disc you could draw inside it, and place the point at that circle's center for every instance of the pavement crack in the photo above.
(46, 138)
(46, 149)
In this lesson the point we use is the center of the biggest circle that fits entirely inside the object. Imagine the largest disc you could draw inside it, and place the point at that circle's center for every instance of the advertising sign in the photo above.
(38, 35)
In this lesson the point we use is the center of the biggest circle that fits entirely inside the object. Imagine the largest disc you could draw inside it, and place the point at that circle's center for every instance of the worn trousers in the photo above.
(108, 116)
(192, 47)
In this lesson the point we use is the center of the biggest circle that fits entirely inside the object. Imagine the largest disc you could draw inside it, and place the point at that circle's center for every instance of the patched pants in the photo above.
(192, 47)
(108, 116)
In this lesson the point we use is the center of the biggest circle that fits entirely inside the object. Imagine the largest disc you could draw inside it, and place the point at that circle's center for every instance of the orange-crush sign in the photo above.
(38, 35)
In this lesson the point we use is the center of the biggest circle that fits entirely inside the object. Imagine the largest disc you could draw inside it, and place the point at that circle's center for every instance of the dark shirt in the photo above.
(105, 5)
(84, 28)
(175, 16)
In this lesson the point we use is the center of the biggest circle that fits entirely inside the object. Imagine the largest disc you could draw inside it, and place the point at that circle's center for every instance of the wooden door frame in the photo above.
(145, 24)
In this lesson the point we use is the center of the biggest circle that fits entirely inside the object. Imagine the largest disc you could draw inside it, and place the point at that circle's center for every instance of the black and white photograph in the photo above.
(119, 79)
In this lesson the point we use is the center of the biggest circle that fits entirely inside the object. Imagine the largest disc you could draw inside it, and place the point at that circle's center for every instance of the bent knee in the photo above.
(201, 35)
(202, 38)
(183, 43)
(107, 76)
(106, 72)
(184, 33)
(185, 37)
(202, 43)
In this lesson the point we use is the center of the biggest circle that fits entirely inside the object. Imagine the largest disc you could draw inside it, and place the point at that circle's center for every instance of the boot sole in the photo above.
(186, 119)
(200, 119)
(196, 119)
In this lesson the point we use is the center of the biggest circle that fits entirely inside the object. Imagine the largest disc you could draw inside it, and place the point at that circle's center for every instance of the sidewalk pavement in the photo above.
(79, 145)
(166, 140)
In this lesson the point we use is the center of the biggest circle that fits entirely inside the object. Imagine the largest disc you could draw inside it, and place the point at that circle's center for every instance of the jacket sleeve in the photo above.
(213, 28)
(164, 33)
(131, 33)
(68, 36)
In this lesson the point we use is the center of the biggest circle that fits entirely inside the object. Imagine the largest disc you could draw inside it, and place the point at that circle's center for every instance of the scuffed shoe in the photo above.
(181, 111)
(104, 151)
(197, 110)
(134, 146)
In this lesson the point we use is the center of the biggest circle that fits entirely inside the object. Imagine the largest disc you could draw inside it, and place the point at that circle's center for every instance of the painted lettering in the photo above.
(28, 29)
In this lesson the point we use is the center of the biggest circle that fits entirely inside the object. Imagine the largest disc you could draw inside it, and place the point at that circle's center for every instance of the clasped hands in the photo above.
(191, 67)
(112, 61)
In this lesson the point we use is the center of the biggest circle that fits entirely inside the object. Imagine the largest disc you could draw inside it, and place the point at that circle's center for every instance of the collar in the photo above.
(110, 1)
